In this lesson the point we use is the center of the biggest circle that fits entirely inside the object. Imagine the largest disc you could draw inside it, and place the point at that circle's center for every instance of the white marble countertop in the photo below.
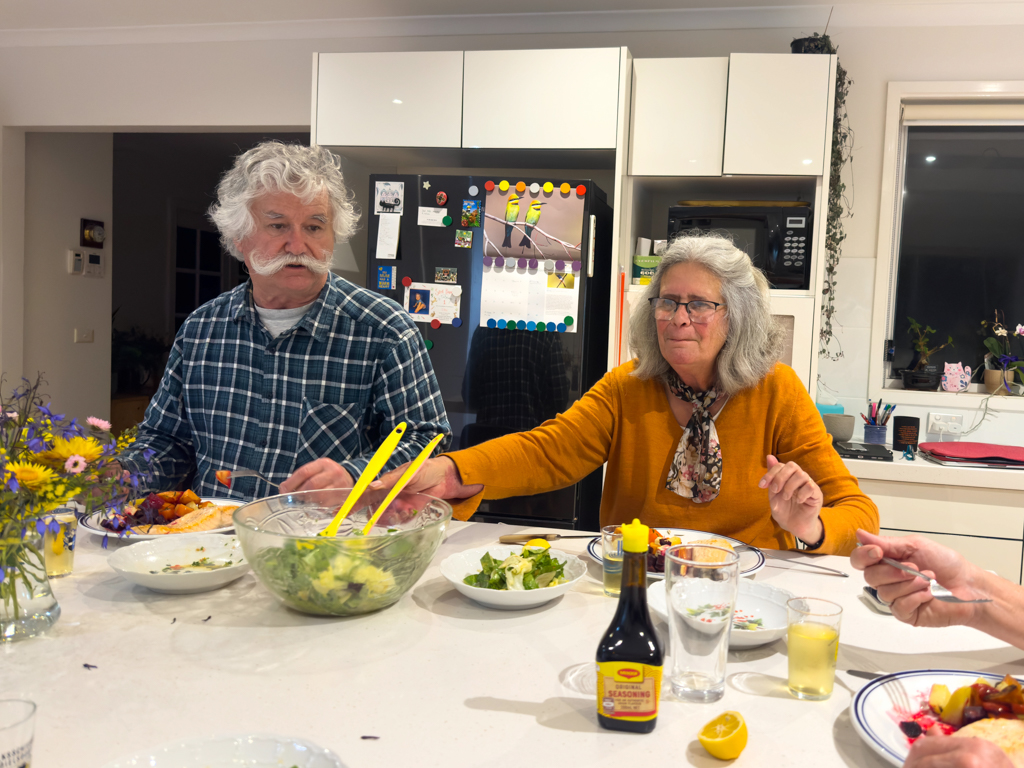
(923, 471)
(440, 680)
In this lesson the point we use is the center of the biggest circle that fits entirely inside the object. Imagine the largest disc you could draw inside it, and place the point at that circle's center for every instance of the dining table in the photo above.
(435, 679)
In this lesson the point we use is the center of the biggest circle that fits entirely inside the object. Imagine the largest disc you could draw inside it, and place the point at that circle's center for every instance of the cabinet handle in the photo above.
(593, 237)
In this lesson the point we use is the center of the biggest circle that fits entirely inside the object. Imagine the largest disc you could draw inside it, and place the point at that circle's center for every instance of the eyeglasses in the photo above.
(698, 311)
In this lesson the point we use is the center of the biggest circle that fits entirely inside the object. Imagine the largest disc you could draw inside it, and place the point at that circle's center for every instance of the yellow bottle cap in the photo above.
(634, 537)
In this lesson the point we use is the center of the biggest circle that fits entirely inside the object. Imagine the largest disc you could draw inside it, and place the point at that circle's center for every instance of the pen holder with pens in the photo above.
(875, 433)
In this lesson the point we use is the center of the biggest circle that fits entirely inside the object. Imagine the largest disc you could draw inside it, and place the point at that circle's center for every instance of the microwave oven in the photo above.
(775, 235)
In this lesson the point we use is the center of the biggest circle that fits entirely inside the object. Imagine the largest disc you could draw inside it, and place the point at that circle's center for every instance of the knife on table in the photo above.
(522, 538)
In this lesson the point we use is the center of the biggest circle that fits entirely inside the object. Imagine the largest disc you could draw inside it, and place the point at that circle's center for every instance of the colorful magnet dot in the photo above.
(561, 327)
(564, 189)
(568, 320)
(502, 323)
(533, 263)
(531, 326)
(581, 190)
(577, 266)
(435, 323)
(406, 281)
(442, 198)
(541, 327)
(521, 325)
(447, 221)
(489, 186)
(457, 322)
(428, 344)
(503, 186)
(549, 187)
(522, 263)
(491, 323)
(549, 265)
(473, 191)
(520, 187)
(500, 261)
(535, 188)
(487, 261)
(559, 266)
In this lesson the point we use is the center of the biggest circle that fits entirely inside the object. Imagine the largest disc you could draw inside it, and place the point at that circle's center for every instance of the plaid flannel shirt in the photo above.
(333, 386)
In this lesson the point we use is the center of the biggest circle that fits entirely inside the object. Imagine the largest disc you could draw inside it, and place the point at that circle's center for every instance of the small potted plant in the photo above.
(1000, 363)
(921, 375)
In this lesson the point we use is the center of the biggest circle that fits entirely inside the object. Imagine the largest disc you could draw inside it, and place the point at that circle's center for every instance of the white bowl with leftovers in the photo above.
(182, 565)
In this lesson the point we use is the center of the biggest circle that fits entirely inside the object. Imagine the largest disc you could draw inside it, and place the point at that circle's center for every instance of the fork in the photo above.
(251, 473)
(938, 591)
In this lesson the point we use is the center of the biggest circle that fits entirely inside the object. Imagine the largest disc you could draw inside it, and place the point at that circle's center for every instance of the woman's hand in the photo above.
(795, 499)
(437, 477)
(938, 751)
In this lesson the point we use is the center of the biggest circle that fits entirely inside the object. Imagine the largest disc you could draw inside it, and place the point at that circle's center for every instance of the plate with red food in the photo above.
(891, 712)
(161, 514)
(751, 558)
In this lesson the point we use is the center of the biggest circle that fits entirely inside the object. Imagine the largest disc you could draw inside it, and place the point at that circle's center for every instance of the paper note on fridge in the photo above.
(433, 301)
(431, 217)
(387, 235)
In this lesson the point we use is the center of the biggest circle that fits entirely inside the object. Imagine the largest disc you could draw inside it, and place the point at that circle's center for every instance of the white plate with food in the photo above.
(456, 568)
(891, 711)
(759, 618)
(206, 515)
(180, 565)
(751, 558)
(232, 751)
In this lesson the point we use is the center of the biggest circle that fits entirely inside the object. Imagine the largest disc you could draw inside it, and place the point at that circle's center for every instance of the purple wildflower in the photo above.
(12, 485)
(40, 527)
(148, 454)
(2, 574)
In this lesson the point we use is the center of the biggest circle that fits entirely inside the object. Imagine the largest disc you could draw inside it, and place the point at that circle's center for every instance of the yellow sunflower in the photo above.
(31, 475)
(88, 448)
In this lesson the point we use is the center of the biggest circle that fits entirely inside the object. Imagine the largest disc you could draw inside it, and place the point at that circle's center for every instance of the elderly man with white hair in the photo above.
(297, 373)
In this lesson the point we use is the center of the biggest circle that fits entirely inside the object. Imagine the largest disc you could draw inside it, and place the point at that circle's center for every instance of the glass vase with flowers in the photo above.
(46, 464)
(1001, 364)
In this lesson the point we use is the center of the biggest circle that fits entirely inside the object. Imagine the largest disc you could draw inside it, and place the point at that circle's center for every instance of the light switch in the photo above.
(84, 336)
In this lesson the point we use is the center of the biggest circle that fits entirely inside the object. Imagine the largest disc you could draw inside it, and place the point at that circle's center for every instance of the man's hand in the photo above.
(938, 751)
(322, 473)
(908, 595)
(795, 499)
(437, 477)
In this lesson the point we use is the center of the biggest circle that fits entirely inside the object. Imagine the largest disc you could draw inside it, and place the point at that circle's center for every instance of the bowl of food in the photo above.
(513, 577)
(347, 574)
(181, 565)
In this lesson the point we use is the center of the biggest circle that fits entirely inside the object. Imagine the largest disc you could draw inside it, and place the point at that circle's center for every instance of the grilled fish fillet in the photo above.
(711, 556)
(202, 519)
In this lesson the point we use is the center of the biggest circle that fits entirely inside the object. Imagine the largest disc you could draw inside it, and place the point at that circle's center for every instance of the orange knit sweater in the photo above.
(627, 422)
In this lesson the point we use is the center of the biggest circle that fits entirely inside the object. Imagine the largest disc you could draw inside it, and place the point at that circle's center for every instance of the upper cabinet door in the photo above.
(777, 113)
(389, 99)
(553, 99)
(678, 119)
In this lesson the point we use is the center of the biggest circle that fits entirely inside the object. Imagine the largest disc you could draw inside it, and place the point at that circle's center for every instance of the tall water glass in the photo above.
(611, 559)
(813, 644)
(17, 723)
(701, 582)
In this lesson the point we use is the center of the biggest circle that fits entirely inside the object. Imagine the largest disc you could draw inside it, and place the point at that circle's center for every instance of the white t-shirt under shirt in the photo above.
(277, 321)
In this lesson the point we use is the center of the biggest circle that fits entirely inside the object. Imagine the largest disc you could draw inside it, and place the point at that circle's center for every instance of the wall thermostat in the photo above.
(93, 264)
(76, 262)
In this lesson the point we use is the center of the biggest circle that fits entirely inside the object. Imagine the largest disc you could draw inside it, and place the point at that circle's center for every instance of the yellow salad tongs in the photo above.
(377, 462)
(403, 481)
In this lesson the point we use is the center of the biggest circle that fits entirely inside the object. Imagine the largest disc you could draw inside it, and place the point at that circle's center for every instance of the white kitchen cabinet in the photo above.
(388, 99)
(777, 114)
(678, 117)
(542, 99)
(796, 315)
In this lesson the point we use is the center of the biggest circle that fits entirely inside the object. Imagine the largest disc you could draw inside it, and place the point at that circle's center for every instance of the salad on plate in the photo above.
(533, 568)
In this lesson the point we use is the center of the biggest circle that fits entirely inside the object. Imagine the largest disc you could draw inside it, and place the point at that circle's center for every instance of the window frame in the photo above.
(890, 225)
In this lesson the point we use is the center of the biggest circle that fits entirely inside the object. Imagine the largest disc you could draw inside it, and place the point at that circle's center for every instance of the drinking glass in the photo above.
(17, 719)
(59, 546)
(813, 641)
(611, 559)
(701, 582)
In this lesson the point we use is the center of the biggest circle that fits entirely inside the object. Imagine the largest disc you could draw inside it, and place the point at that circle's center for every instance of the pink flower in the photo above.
(1019, 331)
(92, 421)
(75, 464)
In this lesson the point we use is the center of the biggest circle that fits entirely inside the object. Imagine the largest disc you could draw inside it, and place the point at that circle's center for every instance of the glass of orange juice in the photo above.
(813, 645)
(59, 545)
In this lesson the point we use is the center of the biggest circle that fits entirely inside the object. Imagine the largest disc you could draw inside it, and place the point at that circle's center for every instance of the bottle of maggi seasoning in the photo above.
(629, 657)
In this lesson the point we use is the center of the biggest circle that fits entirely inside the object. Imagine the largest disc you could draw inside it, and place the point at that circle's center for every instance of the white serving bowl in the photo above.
(233, 752)
(148, 563)
(754, 601)
(458, 566)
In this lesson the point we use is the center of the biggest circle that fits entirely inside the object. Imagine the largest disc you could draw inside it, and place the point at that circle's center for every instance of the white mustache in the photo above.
(266, 265)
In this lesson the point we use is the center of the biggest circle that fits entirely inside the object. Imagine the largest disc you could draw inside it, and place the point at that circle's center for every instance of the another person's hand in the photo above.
(938, 751)
(322, 473)
(437, 477)
(795, 499)
(908, 595)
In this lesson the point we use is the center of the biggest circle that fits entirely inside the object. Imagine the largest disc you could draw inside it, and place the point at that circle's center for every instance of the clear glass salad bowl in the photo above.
(347, 574)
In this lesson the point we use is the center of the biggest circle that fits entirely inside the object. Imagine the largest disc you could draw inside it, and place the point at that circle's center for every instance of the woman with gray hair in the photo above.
(705, 429)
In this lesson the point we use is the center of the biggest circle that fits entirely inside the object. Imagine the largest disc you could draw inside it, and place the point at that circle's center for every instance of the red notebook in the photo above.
(975, 452)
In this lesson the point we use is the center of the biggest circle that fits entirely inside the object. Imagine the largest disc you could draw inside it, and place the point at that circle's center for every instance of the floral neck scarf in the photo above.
(696, 471)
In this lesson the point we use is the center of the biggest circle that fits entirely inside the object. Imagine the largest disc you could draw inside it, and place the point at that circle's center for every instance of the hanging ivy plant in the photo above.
(839, 205)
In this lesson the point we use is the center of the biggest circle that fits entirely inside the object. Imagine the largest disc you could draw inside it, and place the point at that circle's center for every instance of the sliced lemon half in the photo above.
(536, 544)
(725, 737)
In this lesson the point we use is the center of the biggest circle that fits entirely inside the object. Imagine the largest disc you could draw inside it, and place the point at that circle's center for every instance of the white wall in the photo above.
(267, 85)
(68, 177)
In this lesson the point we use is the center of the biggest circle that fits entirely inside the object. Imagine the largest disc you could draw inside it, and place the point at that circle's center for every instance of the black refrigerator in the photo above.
(508, 280)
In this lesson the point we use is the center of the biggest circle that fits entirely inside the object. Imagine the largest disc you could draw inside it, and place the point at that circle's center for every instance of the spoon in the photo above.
(403, 481)
(938, 591)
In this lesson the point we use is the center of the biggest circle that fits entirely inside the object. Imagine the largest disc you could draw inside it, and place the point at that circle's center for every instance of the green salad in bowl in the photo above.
(347, 574)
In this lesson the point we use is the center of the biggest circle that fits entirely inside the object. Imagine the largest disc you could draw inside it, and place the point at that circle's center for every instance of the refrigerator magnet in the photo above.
(463, 238)
(388, 196)
(387, 278)
(470, 213)
(441, 197)
(446, 275)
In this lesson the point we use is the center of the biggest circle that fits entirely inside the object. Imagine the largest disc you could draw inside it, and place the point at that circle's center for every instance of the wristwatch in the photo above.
(803, 546)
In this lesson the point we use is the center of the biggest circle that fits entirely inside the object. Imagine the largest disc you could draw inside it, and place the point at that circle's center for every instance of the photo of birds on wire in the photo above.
(526, 221)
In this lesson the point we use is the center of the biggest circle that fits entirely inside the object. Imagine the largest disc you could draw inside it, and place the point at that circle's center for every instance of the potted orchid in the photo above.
(46, 463)
(1001, 364)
